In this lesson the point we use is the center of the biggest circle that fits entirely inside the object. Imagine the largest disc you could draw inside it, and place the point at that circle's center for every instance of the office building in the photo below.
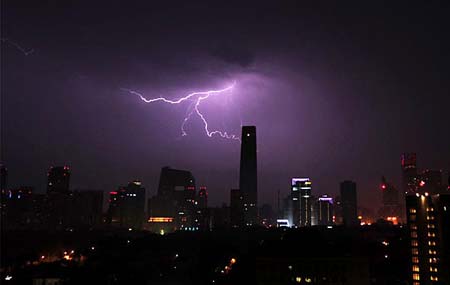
(248, 175)
(391, 208)
(410, 178)
(126, 206)
(428, 218)
(236, 208)
(431, 182)
(349, 204)
(58, 180)
(176, 200)
(324, 210)
(301, 201)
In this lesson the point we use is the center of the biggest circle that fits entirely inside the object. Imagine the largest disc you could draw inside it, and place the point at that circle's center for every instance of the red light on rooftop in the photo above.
(113, 193)
(422, 183)
(383, 186)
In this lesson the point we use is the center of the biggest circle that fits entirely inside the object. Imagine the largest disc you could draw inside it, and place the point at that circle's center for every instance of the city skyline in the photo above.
(330, 102)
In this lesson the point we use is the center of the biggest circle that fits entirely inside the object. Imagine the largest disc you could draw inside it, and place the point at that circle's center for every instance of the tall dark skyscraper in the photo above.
(325, 210)
(58, 180)
(3, 177)
(409, 172)
(348, 202)
(248, 184)
(391, 208)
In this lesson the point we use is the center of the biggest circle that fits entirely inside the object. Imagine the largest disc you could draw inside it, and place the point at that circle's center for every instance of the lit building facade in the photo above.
(428, 218)
(301, 201)
(325, 210)
(248, 180)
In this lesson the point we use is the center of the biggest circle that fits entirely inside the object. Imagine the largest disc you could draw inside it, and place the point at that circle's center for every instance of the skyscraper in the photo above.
(431, 182)
(236, 208)
(428, 219)
(3, 177)
(175, 201)
(349, 204)
(391, 209)
(301, 201)
(409, 172)
(126, 206)
(58, 180)
(248, 175)
(325, 210)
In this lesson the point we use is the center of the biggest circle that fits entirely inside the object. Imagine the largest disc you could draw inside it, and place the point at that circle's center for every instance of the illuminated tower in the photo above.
(248, 175)
(58, 180)
(325, 210)
(348, 202)
(409, 172)
(428, 219)
(301, 201)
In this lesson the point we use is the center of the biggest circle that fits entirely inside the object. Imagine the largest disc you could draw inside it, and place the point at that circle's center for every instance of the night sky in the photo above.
(337, 91)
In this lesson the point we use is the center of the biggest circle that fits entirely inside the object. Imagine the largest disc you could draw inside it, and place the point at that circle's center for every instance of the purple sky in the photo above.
(336, 92)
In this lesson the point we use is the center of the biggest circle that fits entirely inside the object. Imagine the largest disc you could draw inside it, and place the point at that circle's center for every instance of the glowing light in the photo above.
(8, 277)
(233, 261)
(298, 279)
(422, 183)
(383, 186)
(43, 257)
(197, 98)
(161, 232)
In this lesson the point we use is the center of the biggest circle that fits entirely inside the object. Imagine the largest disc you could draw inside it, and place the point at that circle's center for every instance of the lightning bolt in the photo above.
(196, 98)
(17, 46)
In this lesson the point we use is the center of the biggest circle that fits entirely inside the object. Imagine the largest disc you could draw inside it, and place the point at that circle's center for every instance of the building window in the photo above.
(415, 268)
(414, 234)
(412, 211)
(412, 217)
(415, 259)
(413, 227)
(414, 243)
(416, 277)
(415, 251)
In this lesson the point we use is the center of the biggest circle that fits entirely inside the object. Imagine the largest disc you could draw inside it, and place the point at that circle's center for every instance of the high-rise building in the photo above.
(409, 172)
(58, 180)
(428, 219)
(202, 212)
(3, 178)
(325, 210)
(175, 202)
(301, 201)
(431, 182)
(126, 206)
(248, 184)
(349, 204)
(236, 208)
(391, 209)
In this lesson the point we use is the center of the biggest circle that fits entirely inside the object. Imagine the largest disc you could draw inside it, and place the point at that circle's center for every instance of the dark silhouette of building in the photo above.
(349, 204)
(428, 219)
(409, 172)
(3, 177)
(325, 210)
(175, 202)
(391, 209)
(17, 207)
(127, 205)
(202, 212)
(301, 201)
(58, 180)
(248, 175)
(236, 208)
(87, 208)
(431, 182)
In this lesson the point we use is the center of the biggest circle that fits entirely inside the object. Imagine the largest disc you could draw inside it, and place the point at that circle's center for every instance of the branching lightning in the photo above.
(17, 46)
(196, 98)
